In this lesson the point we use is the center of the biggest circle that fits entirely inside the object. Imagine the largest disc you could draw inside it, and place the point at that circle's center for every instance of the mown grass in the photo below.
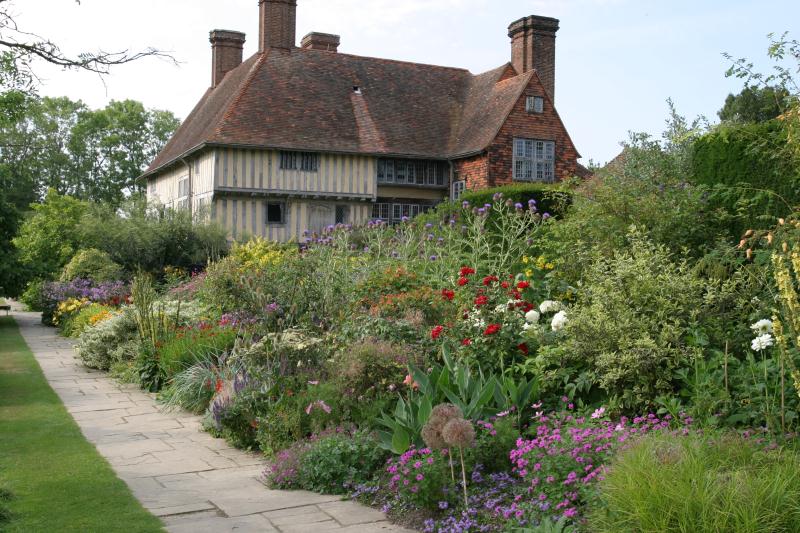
(56, 479)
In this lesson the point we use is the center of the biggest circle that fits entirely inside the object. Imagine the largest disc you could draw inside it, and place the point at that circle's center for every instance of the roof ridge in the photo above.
(387, 60)
(240, 93)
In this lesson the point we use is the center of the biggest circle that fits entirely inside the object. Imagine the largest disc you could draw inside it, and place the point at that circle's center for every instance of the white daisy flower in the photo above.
(762, 326)
(762, 342)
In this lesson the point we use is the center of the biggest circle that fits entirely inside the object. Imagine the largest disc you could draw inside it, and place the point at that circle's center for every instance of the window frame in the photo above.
(300, 161)
(533, 160)
(458, 188)
(534, 105)
(282, 206)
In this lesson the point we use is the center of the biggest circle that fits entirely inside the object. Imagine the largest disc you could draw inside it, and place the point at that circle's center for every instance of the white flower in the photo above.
(501, 308)
(559, 321)
(549, 306)
(526, 327)
(762, 326)
(761, 342)
(532, 316)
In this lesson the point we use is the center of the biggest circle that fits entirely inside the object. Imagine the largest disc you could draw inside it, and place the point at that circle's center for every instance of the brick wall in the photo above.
(495, 167)
(473, 170)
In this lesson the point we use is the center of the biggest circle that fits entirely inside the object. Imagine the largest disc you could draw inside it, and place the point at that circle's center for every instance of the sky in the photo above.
(617, 61)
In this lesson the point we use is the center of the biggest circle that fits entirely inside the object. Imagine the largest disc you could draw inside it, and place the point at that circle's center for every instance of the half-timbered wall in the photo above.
(343, 175)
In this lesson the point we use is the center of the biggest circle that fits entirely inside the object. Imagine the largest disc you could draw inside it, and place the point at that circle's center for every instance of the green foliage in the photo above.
(493, 445)
(552, 199)
(88, 154)
(139, 236)
(630, 329)
(187, 346)
(109, 342)
(334, 463)
(746, 174)
(74, 324)
(755, 104)
(91, 264)
(48, 239)
(470, 391)
(699, 483)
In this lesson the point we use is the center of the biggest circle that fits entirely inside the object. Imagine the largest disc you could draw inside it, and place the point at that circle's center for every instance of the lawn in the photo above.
(57, 480)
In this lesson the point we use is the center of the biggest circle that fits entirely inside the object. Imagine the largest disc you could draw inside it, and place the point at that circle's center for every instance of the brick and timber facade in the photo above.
(296, 138)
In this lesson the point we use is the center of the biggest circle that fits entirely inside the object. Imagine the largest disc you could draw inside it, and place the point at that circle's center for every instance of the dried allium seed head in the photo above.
(459, 432)
(446, 411)
(433, 438)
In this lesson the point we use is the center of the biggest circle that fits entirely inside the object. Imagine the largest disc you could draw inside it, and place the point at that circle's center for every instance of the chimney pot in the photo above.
(533, 47)
(321, 41)
(226, 53)
(277, 24)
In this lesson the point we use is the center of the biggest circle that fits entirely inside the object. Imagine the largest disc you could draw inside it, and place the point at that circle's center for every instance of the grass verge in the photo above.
(56, 479)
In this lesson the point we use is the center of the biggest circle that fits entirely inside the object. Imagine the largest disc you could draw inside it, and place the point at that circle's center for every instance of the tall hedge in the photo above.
(746, 173)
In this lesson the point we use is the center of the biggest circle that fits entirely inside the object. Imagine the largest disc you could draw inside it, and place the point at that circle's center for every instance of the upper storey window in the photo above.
(413, 172)
(534, 160)
(534, 104)
(305, 161)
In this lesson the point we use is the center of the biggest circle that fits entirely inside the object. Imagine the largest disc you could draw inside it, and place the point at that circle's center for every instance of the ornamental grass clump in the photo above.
(699, 483)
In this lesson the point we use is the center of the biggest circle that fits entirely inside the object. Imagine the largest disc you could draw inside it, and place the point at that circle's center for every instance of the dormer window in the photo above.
(534, 104)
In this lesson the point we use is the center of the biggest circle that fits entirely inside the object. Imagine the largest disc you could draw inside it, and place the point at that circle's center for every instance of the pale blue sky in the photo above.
(617, 60)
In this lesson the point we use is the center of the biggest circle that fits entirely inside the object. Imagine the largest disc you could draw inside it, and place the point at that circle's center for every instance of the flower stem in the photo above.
(463, 476)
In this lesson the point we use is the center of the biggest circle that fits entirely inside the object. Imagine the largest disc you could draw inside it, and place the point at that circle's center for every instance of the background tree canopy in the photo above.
(755, 104)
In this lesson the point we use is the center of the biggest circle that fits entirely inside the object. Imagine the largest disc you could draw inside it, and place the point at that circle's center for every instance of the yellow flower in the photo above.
(529, 273)
(525, 259)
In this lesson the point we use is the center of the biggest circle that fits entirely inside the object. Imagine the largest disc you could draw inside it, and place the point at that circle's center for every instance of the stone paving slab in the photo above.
(192, 481)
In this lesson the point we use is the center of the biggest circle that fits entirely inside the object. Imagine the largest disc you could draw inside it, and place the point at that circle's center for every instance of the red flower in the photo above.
(448, 295)
(527, 306)
(466, 271)
(523, 285)
(489, 279)
(436, 331)
(219, 385)
(466, 342)
(504, 284)
(462, 281)
(492, 329)
(516, 294)
(481, 300)
(523, 348)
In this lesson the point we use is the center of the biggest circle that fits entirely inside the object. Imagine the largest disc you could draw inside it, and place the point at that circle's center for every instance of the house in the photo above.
(294, 139)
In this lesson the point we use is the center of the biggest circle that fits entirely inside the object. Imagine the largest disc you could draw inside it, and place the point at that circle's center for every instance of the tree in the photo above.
(48, 239)
(755, 104)
(93, 155)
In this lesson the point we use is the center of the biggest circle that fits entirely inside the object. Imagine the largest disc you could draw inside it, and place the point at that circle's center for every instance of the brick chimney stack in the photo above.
(226, 53)
(321, 41)
(277, 24)
(533, 46)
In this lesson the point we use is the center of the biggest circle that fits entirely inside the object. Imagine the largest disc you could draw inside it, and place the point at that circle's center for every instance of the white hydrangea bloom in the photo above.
(549, 306)
(762, 326)
(762, 342)
(559, 321)
(532, 316)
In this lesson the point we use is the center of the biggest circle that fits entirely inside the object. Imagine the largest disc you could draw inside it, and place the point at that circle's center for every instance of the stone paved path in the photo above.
(194, 482)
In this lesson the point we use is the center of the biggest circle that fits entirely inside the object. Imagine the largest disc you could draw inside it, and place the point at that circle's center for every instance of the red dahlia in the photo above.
(436, 331)
(492, 329)
(466, 271)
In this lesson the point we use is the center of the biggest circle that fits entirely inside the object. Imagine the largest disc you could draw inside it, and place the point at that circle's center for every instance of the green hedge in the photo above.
(550, 198)
(746, 174)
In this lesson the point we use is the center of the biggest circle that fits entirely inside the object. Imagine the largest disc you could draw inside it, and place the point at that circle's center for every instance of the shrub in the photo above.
(630, 330)
(332, 464)
(699, 483)
(553, 199)
(91, 264)
(110, 341)
(370, 368)
(75, 323)
(33, 296)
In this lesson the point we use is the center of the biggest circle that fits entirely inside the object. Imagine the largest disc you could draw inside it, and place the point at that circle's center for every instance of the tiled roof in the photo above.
(304, 99)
